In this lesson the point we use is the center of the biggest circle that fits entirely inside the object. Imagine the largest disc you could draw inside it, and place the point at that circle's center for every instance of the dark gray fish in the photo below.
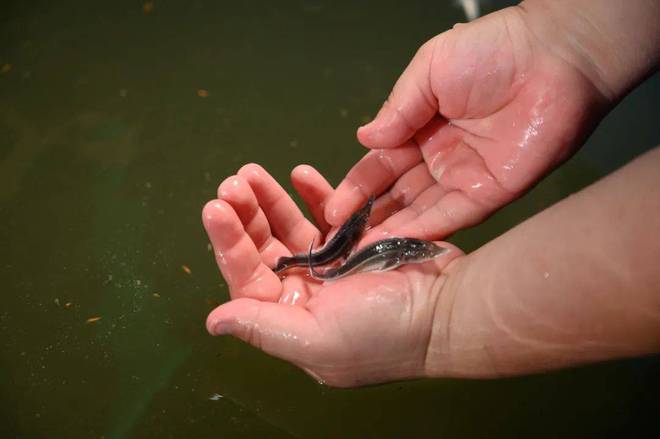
(384, 255)
(340, 244)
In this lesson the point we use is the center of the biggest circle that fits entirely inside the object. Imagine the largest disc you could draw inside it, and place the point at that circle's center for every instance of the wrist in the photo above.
(452, 351)
(614, 44)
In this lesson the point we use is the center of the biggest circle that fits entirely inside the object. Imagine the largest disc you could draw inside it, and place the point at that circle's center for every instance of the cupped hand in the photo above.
(364, 328)
(481, 113)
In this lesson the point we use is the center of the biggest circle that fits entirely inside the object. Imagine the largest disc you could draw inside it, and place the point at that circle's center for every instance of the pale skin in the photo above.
(481, 113)
(486, 109)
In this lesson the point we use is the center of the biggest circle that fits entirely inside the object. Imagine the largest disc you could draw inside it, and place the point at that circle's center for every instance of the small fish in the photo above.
(340, 244)
(384, 255)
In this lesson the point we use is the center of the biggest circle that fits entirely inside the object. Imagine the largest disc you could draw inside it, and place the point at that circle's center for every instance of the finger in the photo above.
(465, 193)
(287, 222)
(288, 332)
(294, 297)
(433, 215)
(239, 261)
(372, 175)
(409, 107)
(402, 194)
(297, 289)
(315, 192)
(237, 192)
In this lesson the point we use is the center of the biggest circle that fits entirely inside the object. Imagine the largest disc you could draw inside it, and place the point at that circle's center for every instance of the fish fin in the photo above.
(366, 210)
(391, 264)
(312, 272)
(370, 202)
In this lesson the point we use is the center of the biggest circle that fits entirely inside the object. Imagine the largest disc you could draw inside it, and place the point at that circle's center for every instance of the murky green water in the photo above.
(108, 152)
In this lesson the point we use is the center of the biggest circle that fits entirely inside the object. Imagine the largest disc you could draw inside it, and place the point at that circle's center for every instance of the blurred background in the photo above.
(117, 122)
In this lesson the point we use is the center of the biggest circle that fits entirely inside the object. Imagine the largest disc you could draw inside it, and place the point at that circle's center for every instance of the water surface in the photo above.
(118, 122)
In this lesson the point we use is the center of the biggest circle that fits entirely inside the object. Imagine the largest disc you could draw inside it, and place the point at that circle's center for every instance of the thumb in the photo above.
(282, 330)
(408, 108)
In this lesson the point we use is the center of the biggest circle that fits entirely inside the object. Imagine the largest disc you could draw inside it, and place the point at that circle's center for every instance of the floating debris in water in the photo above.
(66, 305)
(156, 295)
(212, 302)
(202, 93)
(123, 93)
(148, 7)
(215, 397)
(343, 112)
(186, 269)
(6, 68)
(93, 319)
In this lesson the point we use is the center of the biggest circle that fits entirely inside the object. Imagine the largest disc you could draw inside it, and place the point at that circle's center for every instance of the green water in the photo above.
(107, 154)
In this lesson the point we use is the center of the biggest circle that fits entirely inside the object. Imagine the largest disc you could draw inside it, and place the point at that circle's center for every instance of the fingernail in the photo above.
(222, 328)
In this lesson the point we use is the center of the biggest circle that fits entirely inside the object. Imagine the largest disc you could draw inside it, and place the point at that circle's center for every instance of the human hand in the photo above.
(365, 328)
(481, 113)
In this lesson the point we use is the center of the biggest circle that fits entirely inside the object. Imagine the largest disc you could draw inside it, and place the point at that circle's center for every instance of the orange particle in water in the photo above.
(186, 269)
(212, 302)
(148, 7)
(68, 304)
(5, 68)
(93, 319)
(203, 93)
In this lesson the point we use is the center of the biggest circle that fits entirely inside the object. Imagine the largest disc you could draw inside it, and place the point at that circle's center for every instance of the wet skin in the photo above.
(338, 246)
(508, 308)
(481, 112)
(312, 322)
(479, 115)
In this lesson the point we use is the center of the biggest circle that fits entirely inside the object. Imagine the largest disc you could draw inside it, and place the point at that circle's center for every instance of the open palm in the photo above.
(480, 114)
(365, 328)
